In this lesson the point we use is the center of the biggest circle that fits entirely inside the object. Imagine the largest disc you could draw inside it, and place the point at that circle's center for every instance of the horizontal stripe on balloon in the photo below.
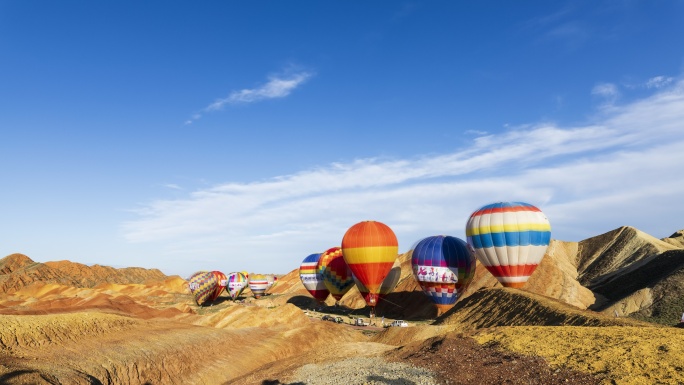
(498, 208)
(512, 271)
(369, 234)
(377, 254)
(512, 238)
(505, 280)
(309, 265)
(511, 228)
(435, 274)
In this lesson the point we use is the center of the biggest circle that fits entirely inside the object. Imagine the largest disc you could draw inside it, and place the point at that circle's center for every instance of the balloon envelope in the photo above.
(387, 286)
(202, 286)
(337, 276)
(236, 284)
(272, 280)
(258, 283)
(444, 267)
(222, 282)
(312, 279)
(370, 249)
(509, 239)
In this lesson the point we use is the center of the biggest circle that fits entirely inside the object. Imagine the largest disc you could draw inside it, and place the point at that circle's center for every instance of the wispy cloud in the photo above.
(277, 86)
(659, 82)
(608, 91)
(620, 169)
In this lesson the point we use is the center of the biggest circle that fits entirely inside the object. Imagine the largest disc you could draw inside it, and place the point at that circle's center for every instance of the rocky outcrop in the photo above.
(512, 307)
(614, 253)
(676, 239)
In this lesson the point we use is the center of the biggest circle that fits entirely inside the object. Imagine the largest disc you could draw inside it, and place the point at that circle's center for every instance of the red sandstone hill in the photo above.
(18, 271)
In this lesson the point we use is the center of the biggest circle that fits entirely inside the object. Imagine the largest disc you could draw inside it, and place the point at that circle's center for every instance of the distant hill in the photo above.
(18, 271)
(633, 273)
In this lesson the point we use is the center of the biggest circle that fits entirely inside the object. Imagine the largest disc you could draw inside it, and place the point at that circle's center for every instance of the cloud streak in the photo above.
(277, 86)
(622, 168)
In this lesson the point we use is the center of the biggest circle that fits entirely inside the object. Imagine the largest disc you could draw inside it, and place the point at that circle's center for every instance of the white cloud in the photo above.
(623, 168)
(659, 82)
(278, 86)
(608, 91)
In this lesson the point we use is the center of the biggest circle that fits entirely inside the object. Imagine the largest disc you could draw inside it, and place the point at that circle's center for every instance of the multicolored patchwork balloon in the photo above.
(370, 248)
(443, 266)
(237, 283)
(509, 239)
(312, 279)
(203, 284)
(337, 276)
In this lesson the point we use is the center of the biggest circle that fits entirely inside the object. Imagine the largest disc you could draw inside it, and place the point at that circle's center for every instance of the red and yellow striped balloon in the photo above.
(370, 249)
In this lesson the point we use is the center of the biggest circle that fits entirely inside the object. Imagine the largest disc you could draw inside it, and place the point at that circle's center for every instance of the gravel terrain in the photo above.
(461, 360)
(440, 360)
(362, 371)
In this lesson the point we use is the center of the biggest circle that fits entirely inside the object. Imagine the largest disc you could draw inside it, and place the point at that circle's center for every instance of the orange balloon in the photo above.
(370, 248)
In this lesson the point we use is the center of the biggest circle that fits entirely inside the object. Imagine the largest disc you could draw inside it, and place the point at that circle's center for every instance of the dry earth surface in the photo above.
(67, 323)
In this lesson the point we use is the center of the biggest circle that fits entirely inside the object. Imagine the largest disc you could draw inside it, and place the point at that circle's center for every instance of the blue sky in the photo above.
(231, 135)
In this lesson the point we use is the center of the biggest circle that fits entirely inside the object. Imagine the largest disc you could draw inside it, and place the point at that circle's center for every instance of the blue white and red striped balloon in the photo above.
(443, 266)
(312, 279)
(509, 239)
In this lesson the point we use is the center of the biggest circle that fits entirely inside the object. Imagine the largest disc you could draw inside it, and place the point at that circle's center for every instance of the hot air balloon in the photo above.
(258, 283)
(312, 279)
(443, 266)
(202, 286)
(509, 239)
(222, 283)
(370, 249)
(388, 284)
(236, 284)
(337, 277)
(272, 280)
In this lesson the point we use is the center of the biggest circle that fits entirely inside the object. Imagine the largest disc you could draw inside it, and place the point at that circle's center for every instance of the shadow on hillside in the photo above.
(409, 305)
(305, 303)
(413, 306)
(7, 377)
(277, 382)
